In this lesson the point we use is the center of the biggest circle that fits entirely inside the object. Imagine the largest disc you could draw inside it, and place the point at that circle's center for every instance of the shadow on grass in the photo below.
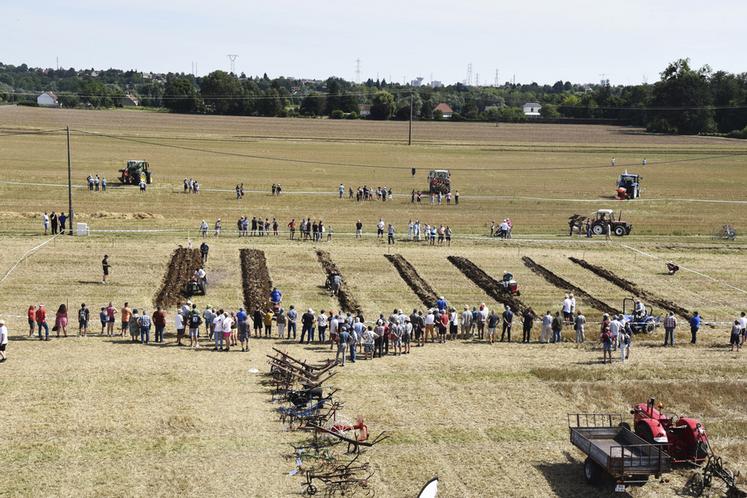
(566, 479)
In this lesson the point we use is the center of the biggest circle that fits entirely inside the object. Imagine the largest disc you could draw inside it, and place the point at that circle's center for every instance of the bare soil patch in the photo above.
(632, 288)
(255, 279)
(182, 266)
(564, 284)
(348, 303)
(488, 284)
(419, 286)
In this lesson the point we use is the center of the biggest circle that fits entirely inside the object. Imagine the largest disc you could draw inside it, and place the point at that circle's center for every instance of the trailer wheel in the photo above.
(592, 471)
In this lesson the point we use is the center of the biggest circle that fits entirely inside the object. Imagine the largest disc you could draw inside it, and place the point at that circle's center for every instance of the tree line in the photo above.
(685, 100)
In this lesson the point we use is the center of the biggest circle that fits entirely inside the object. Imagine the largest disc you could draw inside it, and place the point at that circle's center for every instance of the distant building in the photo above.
(129, 101)
(436, 84)
(445, 109)
(417, 81)
(532, 109)
(364, 110)
(47, 99)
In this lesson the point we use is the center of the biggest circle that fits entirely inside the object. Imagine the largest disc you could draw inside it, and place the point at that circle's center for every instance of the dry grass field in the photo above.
(101, 417)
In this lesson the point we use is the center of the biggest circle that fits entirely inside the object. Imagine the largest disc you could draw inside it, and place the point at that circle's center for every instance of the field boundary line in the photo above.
(28, 253)
(653, 256)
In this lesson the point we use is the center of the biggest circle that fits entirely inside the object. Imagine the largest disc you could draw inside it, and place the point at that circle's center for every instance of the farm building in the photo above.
(47, 99)
(532, 109)
(364, 110)
(445, 109)
(129, 101)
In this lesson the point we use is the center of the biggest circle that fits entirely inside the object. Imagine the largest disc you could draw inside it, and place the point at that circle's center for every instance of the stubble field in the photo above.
(95, 416)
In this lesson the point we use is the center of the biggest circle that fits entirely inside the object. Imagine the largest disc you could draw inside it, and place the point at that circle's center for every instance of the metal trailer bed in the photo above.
(612, 448)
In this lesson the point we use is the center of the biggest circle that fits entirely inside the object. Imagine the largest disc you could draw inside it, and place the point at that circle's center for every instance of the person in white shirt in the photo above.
(218, 331)
(227, 323)
(430, 320)
(179, 323)
(567, 306)
(615, 329)
(3, 340)
(334, 325)
(743, 324)
(321, 325)
(380, 228)
(466, 322)
(546, 332)
(45, 222)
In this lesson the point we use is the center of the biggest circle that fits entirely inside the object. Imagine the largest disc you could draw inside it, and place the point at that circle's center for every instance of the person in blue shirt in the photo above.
(241, 317)
(342, 344)
(695, 321)
(276, 296)
(441, 303)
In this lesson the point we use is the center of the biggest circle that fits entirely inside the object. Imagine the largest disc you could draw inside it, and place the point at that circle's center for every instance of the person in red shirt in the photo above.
(443, 326)
(159, 320)
(41, 322)
(31, 314)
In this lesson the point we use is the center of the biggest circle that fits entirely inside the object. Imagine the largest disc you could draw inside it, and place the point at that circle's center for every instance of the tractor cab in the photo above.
(509, 284)
(685, 438)
(439, 181)
(628, 186)
(640, 318)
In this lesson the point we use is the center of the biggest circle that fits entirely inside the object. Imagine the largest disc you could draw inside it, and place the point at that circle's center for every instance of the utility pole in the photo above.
(357, 70)
(69, 183)
(409, 133)
(232, 58)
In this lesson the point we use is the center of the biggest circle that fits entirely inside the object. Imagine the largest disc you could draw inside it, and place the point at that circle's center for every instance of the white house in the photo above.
(532, 109)
(47, 99)
(364, 110)
(129, 101)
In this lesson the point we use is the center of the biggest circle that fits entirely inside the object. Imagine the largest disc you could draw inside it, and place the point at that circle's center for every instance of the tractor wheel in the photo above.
(597, 229)
(644, 431)
(592, 471)
(650, 327)
(619, 231)
(624, 424)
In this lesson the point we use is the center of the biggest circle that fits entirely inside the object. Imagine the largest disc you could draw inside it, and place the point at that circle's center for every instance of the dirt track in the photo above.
(255, 279)
(488, 284)
(420, 287)
(348, 303)
(565, 285)
(182, 266)
(629, 286)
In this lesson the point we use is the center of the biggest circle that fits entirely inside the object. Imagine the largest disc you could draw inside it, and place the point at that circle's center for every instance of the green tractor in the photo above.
(134, 172)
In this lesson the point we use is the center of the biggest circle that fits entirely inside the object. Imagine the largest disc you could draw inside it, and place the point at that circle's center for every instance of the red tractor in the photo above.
(684, 439)
(509, 284)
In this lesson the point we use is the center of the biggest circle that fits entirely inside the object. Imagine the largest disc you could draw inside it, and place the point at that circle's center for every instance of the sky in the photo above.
(581, 41)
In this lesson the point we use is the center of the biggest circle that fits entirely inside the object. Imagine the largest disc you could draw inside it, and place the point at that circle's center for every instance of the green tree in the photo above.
(382, 105)
(684, 100)
(222, 93)
(549, 111)
(180, 95)
(313, 104)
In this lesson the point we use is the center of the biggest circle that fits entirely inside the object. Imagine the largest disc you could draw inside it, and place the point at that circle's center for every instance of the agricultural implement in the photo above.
(628, 186)
(439, 181)
(640, 323)
(134, 172)
(613, 449)
(339, 478)
(355, 443)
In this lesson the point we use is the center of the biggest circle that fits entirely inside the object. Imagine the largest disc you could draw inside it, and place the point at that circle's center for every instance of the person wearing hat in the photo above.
(3, 339)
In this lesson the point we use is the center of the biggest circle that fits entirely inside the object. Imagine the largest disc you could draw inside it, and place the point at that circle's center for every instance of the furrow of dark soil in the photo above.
(566, 286)
(348, 303)
(255, 279)
(184, 262)
(420, 287)
(488, 284)
(629, 286)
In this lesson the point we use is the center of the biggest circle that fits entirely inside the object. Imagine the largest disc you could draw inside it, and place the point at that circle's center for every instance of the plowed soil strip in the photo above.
(420, 287)
(629, 286)
(348, 303)
(564, 284)
(182, 266)
(255, 279)
(488, 284)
